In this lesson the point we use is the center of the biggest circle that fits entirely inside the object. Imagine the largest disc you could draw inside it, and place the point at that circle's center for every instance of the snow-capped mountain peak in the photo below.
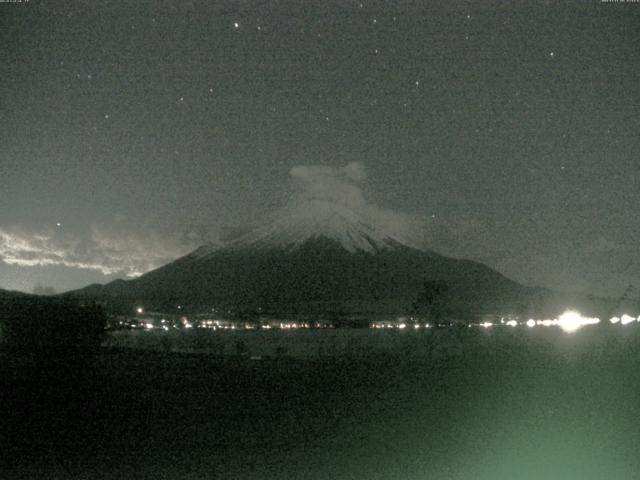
(322, 219)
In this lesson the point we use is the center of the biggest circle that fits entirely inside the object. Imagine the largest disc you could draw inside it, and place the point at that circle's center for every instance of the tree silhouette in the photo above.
(431, 300)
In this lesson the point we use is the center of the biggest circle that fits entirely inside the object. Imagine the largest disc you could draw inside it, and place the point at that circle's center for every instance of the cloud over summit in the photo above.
(330, 184)
(319, 188)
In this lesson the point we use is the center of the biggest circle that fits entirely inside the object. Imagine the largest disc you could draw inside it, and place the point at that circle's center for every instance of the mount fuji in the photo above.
(318, 258)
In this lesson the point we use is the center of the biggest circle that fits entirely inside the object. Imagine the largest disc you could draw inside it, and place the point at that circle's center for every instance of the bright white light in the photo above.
(149, 325)
(486, 324)
(512, 323)
(140, 310)
(570, 321)
(402, 325)
(626, 319)
(547, 323)
(531, 323)
(236, 25)
(614, 320)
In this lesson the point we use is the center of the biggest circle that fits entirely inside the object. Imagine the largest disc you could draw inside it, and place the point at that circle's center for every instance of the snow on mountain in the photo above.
(293, 226)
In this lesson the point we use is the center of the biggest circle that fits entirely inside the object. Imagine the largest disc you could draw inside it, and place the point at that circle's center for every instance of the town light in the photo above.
(626, 319)
(570, 321)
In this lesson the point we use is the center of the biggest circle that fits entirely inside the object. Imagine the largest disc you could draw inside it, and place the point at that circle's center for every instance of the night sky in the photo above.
(133, 132)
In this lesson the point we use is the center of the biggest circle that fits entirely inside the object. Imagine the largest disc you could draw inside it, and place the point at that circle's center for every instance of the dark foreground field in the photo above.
(507, 405)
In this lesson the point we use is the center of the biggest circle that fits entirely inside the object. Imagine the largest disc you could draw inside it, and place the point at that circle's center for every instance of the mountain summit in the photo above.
(293, 227)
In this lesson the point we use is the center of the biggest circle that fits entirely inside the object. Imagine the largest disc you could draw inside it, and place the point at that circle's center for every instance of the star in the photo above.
(552, 54)
(236, 25)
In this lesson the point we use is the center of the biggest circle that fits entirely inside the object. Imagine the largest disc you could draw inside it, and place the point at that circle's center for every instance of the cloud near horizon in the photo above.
(112, 249)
